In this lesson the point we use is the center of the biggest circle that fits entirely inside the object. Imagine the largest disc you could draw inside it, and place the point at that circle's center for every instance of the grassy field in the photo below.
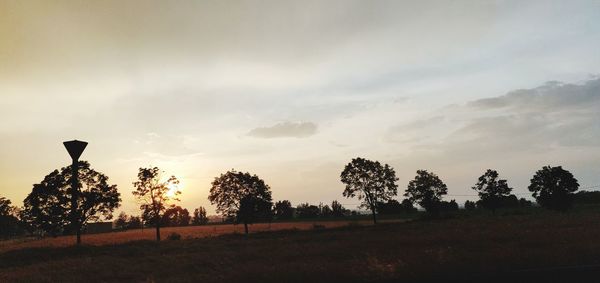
(529, 247)
(189, 232)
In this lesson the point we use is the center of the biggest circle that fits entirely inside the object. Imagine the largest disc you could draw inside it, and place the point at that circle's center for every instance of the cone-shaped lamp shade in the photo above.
(75, 148)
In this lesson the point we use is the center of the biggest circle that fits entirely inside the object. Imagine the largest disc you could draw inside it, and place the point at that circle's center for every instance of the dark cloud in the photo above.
(551, 97)
(549, 115)
(286, 129)
(525, 120)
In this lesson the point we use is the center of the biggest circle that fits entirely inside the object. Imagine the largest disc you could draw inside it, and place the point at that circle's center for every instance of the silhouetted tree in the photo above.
(470, 205)
(426, 190)
(253, 209)
(134, 222)
(337, 210)
(200, 217)
(242, 196)
(325, 211)
(6, 207)
(176, 216)
(48, 206)
(408, 207)
(586, 197)
(153, 195)
(525, 203)
(371, 181)
(394, 207)
(449, 206)
(553, 187)
(390, 207)
(510, 201)
(121, 222)
(492, 190)
(305, 210)
(9, 223)
(283, 210)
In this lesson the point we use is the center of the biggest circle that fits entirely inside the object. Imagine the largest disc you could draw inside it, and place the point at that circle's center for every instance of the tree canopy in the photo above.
(491, 189)
(241, 196)
(9, 223)
(154, 194)
(553, 187)
(48, 206)
(283, 210)
(426, 190)
(176, 216)
(199, 216)
(372, 182)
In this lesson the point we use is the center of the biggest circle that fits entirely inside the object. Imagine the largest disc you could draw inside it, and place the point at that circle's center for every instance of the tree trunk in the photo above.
(157, 221)
(78, 235)
(246, 227)
(157, 232)
(374, 216)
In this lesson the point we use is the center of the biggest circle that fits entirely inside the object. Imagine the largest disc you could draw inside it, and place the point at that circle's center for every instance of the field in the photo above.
(492, 248)
(190, 232)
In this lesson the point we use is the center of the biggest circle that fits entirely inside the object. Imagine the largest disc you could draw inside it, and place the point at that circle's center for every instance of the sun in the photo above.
(173, 188)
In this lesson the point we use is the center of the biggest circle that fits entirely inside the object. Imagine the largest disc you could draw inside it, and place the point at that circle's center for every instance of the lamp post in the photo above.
(75, 149)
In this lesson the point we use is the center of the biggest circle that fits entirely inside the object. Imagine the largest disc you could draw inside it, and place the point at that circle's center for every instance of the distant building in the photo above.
(98, 227)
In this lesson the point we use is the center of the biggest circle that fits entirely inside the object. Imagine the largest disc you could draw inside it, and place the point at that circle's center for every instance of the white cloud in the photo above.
(285, 130)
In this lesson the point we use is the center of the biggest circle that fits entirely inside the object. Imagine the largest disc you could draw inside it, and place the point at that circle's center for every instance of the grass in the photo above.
(468, 247)
(189, 232)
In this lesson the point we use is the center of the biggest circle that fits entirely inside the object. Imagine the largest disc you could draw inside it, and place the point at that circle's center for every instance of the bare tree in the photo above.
(153, 194)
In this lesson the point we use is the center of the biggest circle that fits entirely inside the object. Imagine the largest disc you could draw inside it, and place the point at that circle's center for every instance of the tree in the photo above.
(553, 187)
(390, 207)
(241, 196)
(121, 222)
(325, 211)
(470, 205)
(283, 210)
(9, 223)
(154, 194)
(199, 217)
(371, 181)
(134, 222)
(6, 207)
(492, 190)
(426, 190)
(48, 206)
(449, 206)
(305, 210)
(586, 198)
(337, 210)
(253, 209)
(408, 207)
(176, 216)
(525, 203)
(395, 207)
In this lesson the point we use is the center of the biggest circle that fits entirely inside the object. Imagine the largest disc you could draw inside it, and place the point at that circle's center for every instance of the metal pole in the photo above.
(74, 199)
(75, 148)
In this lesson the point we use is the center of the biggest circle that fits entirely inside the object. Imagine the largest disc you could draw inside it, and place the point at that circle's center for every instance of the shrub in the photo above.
(174, 237)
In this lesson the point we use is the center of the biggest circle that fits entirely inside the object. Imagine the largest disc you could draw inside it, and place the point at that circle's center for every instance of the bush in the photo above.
(318, 226)
(174, 237)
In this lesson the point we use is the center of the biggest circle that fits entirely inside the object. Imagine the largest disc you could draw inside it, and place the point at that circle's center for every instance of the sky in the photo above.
(293, 90)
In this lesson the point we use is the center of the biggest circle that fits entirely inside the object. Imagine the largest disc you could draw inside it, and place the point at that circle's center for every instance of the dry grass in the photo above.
(190, 232)
(467, 249)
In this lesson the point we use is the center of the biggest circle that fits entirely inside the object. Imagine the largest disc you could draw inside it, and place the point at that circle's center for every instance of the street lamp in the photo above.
(75, 149)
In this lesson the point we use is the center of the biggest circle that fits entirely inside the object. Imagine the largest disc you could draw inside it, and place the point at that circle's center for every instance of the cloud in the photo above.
(285, 130)
(552, 115)
(551, 97)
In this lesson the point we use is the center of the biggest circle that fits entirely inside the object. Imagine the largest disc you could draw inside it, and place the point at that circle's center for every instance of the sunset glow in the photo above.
(291, 92)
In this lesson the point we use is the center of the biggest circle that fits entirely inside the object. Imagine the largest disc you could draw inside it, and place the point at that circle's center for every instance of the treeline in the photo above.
(241, 197)
(281, 211)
